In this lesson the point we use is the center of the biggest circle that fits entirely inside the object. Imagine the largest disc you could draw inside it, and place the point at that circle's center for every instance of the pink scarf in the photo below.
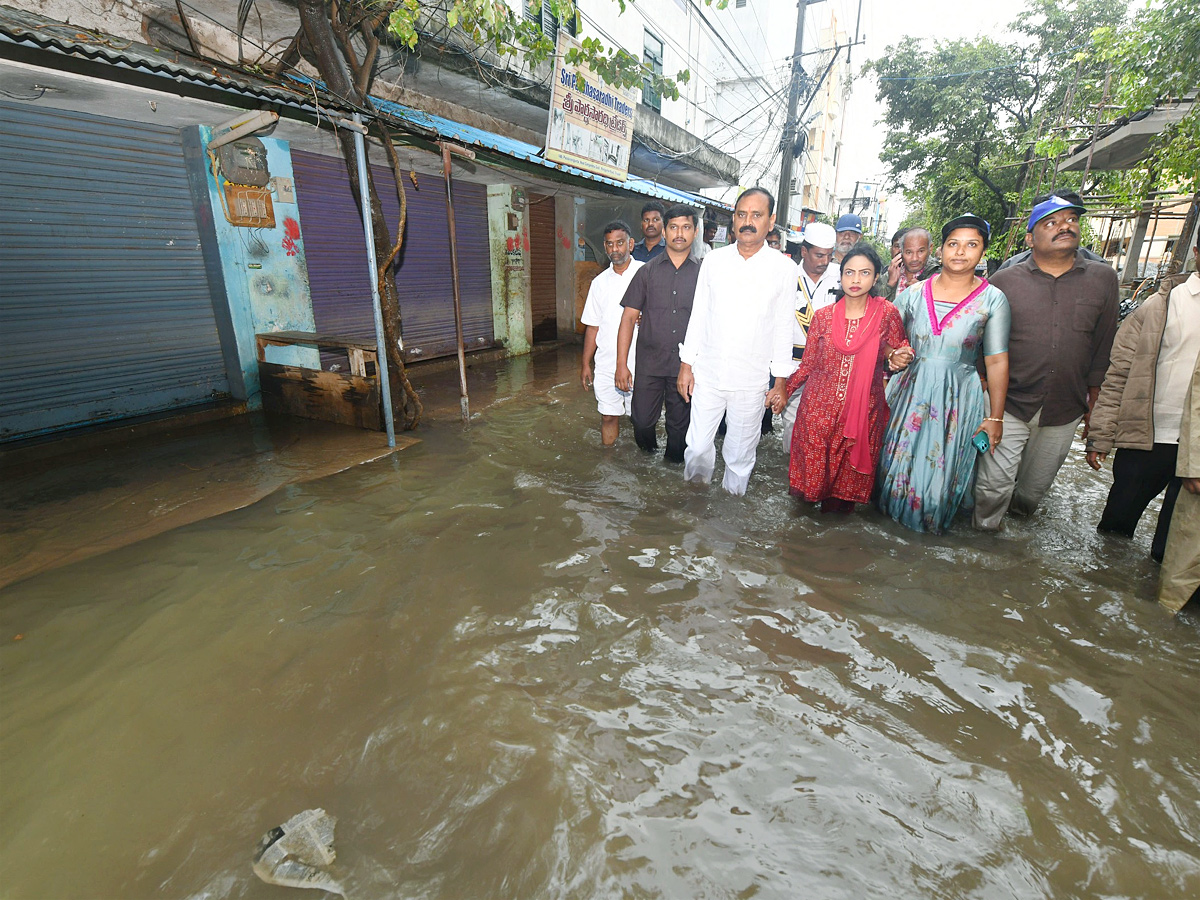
(938, 324)
(864, 347)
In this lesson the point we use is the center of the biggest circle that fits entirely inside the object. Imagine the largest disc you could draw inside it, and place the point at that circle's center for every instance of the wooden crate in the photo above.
(349, 398)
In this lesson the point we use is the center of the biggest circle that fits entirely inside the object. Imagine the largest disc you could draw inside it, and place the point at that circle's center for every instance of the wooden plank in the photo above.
(324, 341)
(357, 365)
(313, 394)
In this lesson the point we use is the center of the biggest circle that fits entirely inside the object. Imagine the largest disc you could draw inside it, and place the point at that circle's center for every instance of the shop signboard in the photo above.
(591, 122)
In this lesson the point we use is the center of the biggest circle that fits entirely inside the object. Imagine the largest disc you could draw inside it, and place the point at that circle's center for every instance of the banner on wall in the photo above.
(591, 122)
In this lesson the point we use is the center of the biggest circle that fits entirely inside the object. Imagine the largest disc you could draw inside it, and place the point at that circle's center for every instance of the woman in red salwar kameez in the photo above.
(843, 415)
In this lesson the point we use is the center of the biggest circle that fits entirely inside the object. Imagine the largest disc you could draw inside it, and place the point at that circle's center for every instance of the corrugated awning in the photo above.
(487, 140)
(447, 129)
(28, 29)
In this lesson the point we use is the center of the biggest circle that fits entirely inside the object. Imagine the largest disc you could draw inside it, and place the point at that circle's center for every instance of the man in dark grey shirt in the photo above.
(1064, 316)
(659, 303)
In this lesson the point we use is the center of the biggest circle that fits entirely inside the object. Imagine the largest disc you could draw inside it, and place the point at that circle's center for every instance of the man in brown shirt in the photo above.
(661, 294)
(1064, 316)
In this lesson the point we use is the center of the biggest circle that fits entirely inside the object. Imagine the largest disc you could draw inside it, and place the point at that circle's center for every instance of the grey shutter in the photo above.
(105, 309)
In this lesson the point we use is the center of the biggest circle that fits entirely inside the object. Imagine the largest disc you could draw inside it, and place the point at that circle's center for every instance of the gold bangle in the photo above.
(991, 419)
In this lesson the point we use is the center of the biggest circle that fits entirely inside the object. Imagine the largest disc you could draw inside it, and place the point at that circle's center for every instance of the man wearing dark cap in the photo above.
(1064, 316)
(849, 232)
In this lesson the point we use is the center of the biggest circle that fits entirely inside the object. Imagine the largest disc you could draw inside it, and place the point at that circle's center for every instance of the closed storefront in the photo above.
(105, 308)
(542, 288)
(337, 258)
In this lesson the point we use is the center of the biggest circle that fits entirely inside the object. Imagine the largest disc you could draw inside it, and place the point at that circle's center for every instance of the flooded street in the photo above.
(515, 665)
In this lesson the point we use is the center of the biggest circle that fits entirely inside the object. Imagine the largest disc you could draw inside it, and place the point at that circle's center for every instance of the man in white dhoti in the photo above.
(739, 337)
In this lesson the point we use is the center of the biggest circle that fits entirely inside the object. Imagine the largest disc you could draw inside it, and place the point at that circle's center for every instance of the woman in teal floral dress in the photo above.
(927, 469)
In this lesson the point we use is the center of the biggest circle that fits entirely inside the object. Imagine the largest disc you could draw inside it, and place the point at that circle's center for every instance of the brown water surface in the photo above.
(515, 665)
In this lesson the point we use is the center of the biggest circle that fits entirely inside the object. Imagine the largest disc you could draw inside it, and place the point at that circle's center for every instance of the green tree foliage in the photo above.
(492, 26)
(970, 123)
(1156, 59)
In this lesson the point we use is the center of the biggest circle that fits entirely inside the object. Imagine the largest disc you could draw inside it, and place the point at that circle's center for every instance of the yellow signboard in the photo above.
(591, 123)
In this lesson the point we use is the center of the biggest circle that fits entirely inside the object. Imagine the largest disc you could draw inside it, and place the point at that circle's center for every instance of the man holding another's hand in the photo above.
(738, 339)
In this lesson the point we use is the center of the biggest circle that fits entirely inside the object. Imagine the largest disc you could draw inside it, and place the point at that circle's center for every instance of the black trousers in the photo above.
(1138, 477)
(650, 393)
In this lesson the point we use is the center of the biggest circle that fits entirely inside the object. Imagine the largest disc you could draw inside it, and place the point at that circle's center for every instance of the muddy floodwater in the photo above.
(515, 665)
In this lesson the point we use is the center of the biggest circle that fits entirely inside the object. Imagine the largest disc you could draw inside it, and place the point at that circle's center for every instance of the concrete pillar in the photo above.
(508, 237)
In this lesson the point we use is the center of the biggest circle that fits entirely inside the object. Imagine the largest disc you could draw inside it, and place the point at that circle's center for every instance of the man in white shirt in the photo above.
(602, 316)
(739, 336)
(815, 286)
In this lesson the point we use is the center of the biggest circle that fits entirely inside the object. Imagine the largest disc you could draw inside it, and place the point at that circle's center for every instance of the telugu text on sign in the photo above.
(591, 123)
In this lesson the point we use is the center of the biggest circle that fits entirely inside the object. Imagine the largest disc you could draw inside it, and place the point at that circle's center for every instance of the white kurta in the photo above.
(738, 338)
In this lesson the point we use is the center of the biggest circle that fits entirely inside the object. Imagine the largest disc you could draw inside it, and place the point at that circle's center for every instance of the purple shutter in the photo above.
(337, 257)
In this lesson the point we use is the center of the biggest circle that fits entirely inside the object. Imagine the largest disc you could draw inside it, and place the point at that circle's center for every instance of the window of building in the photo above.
(652, 56)
(541, 16)
(739, 4)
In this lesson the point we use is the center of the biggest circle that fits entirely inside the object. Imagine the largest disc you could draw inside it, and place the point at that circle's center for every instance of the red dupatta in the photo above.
(864, 348)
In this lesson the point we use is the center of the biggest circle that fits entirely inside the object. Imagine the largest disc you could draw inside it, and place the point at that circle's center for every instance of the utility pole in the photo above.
(784, 196)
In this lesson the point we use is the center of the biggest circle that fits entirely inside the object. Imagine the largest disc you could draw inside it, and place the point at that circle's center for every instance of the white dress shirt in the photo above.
(603, 309)
(740, 332)
(1176, 359)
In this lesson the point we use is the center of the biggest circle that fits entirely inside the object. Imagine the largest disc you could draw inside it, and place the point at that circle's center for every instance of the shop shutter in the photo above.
(337, 257)
(105, 309)
(543, 290)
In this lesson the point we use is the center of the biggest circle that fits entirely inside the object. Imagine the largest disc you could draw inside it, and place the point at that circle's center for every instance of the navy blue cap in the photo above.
(849, 222)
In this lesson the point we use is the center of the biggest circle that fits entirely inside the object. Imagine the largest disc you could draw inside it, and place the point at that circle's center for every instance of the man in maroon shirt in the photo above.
(1064, 316)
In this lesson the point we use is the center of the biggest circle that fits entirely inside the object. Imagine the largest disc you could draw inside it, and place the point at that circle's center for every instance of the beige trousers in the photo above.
(1180, 574)
(1021, 470)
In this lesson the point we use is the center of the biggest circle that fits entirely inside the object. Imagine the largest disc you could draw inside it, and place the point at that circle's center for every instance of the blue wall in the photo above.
(261, 270)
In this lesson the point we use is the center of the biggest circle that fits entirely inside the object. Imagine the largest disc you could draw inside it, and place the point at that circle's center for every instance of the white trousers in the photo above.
(789, 418)
(1021, 470)
(743, 412)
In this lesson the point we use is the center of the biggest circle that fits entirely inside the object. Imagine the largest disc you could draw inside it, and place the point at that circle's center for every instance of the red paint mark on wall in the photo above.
(564, 240)
(525, 239)
(291, 234)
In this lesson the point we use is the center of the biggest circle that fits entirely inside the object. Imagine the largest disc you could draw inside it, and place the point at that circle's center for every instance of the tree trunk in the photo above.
(335, 70)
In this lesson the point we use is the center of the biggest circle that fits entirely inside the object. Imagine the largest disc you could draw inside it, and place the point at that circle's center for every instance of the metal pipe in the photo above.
(464, 400)
(381, 360)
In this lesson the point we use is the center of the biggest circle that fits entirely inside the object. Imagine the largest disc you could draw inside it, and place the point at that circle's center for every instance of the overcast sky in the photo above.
(886, 22)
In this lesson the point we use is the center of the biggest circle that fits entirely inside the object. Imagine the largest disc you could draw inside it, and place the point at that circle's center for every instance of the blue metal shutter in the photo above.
(105, 310)
(337, 257)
